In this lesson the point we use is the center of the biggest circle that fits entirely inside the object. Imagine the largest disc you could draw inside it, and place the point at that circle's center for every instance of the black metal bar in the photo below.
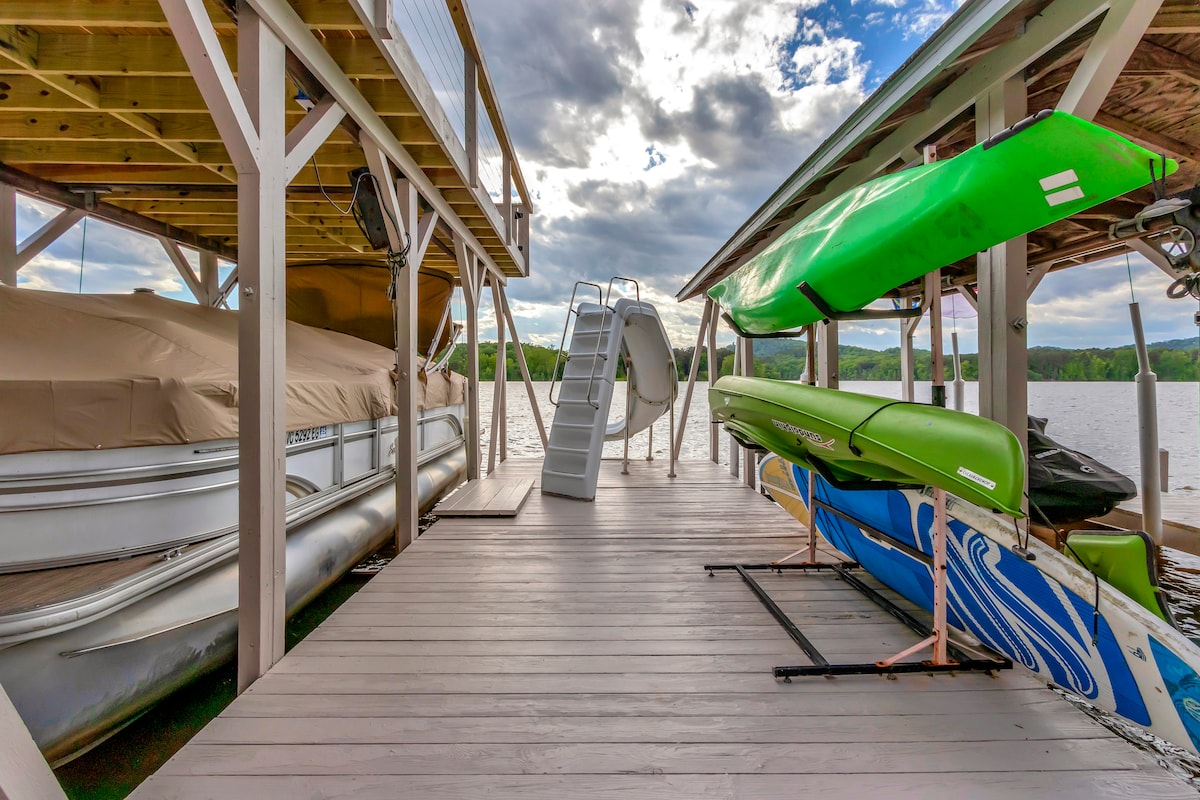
(828, 311)
(904, 667)
(877, 534)
(796, 334)
(803, 566)
(783, 619)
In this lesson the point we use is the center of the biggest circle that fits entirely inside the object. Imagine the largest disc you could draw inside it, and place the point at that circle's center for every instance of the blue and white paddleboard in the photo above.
(1039, 613)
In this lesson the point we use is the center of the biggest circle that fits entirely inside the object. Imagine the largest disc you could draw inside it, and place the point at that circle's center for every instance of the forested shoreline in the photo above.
(1175, 360)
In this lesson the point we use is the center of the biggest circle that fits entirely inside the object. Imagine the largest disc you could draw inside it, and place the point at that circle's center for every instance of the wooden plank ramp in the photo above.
(487, 497)
(580, 651)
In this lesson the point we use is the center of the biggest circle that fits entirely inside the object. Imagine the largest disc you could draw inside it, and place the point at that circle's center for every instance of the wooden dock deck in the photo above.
(580, 651)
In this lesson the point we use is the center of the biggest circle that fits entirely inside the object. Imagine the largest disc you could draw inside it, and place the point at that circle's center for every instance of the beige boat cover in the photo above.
(350, 296)
(81, 372)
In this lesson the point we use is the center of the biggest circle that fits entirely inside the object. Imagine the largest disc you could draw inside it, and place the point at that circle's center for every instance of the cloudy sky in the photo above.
(649, 130)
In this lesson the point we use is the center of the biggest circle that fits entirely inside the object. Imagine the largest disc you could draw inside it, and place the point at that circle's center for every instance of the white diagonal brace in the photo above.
(693, 372)
(523, 366)
(184, 268)
(197, 40)
(310, 133)
(1034, 278)
(1155, 256)
(47, 235)
(1123, 27)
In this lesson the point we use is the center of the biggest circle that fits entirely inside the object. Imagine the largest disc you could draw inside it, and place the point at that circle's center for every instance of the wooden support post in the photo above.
(908, 327)
(498, 413)
(471, 114)
(471, 274)
(210, 284)
(524, 367)
(734, 462)
(506, 190)
(24, 774)
(827, 356)
(714, 444)
(262, 366)
(8, 235)
(693, 372)
(1003, 359)
(749, 471)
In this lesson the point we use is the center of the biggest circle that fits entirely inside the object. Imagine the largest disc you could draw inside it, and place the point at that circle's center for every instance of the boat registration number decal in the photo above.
(308, 434)
(815, 438)
(977, 478)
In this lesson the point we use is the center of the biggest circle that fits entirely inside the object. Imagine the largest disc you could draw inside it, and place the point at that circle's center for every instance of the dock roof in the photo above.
(96, 97)
(930, 101)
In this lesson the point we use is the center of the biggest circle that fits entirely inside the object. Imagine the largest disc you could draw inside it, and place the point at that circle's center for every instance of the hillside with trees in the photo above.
(1175, 360)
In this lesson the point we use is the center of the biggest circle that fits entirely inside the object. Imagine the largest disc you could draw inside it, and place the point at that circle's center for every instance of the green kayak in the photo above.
(896, 228)
(907, 443)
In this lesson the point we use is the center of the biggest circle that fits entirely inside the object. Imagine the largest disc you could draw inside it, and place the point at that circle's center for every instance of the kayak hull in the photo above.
(896, 228)
(1039, 613)
(859, 437)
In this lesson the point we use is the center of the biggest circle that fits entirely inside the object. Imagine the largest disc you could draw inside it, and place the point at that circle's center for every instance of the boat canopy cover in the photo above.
(85, 372)
(351, 297)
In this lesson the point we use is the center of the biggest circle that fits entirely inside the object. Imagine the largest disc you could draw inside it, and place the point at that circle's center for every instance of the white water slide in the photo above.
(631, 329)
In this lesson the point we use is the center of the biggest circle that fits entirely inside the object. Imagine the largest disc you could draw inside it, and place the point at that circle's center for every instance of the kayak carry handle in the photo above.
(826, 311)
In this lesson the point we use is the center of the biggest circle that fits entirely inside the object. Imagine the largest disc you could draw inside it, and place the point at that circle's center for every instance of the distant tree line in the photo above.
(1175, 360)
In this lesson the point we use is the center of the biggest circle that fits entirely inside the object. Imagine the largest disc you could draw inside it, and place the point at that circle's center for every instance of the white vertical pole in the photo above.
(714, 439)
(737, 370)
(23, 771)
(693, 372)
(1003, 359)
(471, 277)
(506, 183)
(907, 377)
(1147, 403)
(261, 355)
(959, 383)
(749, 473)
(408, 510)
(827, 356)
(494, 438)
(8, 235)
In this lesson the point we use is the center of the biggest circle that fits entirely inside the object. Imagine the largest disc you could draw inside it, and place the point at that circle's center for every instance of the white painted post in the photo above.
(262, 366)
(1003, 359)
(524, 367)
(693, 372)
(471, 122)
(827, 356)
(8, 235)
(471, 275)
(737, 370)
(506, 183)
(1148, 452)
(498, 413)
(933, 290)
(23, 772)
(714, 439)
(210, 284)
(749, 471)
(907, 359)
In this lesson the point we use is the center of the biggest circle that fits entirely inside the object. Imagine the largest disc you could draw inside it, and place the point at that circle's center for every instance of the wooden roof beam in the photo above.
(57, 195)
(1150, 139)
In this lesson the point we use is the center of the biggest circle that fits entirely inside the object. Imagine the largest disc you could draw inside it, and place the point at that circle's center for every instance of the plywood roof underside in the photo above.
(95, 94)
(1154, 102)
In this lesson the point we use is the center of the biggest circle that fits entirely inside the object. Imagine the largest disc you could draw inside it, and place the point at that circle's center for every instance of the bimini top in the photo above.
(82, 372)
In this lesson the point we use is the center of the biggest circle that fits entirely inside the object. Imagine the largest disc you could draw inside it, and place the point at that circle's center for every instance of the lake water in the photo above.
(1099, 419)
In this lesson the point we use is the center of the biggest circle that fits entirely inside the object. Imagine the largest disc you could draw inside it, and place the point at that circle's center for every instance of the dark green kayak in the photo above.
(907, 443)
(896, 228)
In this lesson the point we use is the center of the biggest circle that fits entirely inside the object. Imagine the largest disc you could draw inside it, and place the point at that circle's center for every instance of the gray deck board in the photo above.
(581, 651)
